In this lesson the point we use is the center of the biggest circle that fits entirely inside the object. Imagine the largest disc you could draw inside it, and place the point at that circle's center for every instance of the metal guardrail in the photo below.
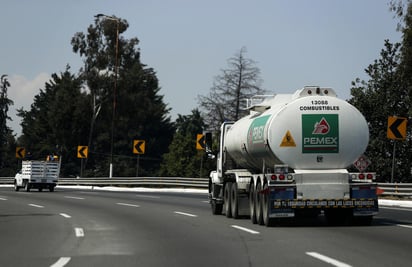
(139, 181)
(129, 181)
(396, 189)
(389, 189)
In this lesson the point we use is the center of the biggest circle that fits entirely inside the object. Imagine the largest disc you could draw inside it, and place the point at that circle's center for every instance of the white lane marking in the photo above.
(129, 205)
(61, 262)
(404, 225)
(185, 214)
(206, 201)
(36, 206)
(328, 259)
(3, 198)
(246, 229)
(146, 196)
(65, 215)
(395, 208)
(79, 232)
(80, 198)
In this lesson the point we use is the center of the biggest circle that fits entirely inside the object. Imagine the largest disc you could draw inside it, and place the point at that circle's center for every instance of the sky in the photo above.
(188, 42)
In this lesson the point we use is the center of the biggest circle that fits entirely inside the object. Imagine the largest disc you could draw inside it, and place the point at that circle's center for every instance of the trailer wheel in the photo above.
(27, 186)
(234, 201)
(16, 187)
(265, 206)
(217, 208)
(51, 188)
(259, 204)
(226, 199)
(40, 189)
(252, 203)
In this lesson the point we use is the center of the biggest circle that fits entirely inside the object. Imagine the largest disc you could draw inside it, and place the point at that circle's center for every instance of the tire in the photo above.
(258, 202)
(252, 203)
(265, 206)
(16, 187)
(27, 186)
(234, 201)
(51, 188)
(40, 189)
(226, 198)
(216, 208)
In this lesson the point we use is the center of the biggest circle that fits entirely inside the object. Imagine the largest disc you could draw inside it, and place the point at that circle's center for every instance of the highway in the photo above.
(80, 227)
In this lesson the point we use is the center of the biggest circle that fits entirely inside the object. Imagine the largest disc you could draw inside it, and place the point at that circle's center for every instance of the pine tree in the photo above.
(240, 81)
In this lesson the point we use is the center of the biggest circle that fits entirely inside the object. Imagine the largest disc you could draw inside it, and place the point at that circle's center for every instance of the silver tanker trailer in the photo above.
(288, 158)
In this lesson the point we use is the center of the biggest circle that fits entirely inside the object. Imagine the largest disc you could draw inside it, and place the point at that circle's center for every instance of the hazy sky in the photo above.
(187, 42)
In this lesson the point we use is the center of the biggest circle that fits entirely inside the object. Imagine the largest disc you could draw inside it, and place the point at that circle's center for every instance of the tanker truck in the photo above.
(288, 159)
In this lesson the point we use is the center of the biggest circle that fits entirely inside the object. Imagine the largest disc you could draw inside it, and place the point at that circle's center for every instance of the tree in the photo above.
(7, 142)
(389, 89)
(183, 160)
(57, 121)
(405, 69)
(238, 82)
(125, 97)
(384, 91)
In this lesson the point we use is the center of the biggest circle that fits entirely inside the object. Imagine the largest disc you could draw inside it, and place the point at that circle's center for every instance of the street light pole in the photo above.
(115, 86)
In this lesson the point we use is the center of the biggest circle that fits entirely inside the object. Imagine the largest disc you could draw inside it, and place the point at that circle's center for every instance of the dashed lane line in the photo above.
(185, 214)
(79, 198)
(61, 262)
(79, 232)
(65, 215)
(404, 225)
(250, 231)
(395, 208)
(148, 196)
(36, 206)
(2, 198)
(128, 205)
(328, 259)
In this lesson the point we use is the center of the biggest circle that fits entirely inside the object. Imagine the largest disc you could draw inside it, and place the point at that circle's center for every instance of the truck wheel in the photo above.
(226, 199)
(16, 187)
(265, 206)
(234, 201)
(216, 207)
(40, 189)
(51, 188)
(27, 186)
(252, 203)
(259, 206)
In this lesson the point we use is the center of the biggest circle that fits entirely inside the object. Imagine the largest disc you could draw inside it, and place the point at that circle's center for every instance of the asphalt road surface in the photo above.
(78, 227)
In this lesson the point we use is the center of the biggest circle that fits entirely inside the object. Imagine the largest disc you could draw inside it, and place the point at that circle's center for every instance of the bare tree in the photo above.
(239, 81)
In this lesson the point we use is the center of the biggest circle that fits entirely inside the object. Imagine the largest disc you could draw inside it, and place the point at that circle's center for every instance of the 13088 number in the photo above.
(319, 102)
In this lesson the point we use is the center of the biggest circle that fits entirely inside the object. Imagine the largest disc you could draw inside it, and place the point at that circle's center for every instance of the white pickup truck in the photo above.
(37, 174)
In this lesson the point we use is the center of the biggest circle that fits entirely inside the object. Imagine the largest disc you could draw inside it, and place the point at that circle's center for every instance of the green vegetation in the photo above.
(115, 99)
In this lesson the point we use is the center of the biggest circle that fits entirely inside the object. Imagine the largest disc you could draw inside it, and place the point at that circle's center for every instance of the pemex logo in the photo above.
(320, 133)
(321, 127)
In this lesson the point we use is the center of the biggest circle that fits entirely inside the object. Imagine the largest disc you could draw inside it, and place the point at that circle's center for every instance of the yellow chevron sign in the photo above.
(82, 152)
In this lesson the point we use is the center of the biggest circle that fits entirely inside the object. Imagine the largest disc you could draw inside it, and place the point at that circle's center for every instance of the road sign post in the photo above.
(20, 152)
(200, 142)
(82, 153)
(396, 131)
(139, 147)
(396, 128)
